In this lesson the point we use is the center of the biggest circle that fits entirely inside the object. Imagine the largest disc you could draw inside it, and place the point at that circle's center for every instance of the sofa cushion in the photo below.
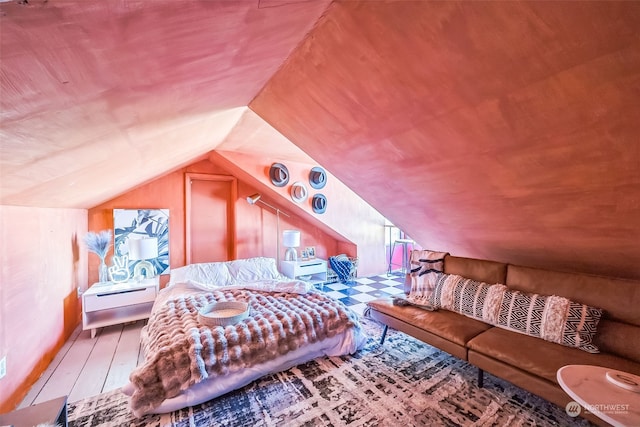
(551, 318)
(446, 324)
(618, 338)
(465, 296)
(541, 358)
(619, 298)
(476, 269)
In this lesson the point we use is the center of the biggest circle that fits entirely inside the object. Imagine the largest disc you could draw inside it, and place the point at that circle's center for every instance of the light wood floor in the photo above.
(85, 367)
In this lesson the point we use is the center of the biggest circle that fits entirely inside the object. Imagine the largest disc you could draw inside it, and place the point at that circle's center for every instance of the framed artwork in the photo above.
(304, 255)
(311, 252)
(142, 223)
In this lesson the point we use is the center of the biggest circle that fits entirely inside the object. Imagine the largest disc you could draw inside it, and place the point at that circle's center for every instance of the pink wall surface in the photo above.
(531, 160)
(255, 224)
(356, 227)
(43, 264)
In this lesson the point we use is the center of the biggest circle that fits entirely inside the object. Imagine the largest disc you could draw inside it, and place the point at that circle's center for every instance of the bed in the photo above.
(187, 362)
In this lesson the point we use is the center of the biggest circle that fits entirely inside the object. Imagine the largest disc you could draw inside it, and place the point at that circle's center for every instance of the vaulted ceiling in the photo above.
(500, 130)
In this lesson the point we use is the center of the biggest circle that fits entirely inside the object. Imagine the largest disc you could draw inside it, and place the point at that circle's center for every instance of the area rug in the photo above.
(401, 383)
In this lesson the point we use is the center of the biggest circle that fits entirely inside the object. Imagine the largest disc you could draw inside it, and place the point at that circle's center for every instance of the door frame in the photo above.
(231, 210)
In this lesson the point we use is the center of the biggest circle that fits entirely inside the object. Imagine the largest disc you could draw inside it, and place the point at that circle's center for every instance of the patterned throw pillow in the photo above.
(474, 299)
(342, 266)
(425, 267)
(552, 318)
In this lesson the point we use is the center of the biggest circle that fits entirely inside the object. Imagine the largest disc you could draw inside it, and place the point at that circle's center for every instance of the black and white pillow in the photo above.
(550, 317)
(474, 299)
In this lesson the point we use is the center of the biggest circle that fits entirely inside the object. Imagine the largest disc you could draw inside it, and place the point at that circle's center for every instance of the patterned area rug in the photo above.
(401, 383)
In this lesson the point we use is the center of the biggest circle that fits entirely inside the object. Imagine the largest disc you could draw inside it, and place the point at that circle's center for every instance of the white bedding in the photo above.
(191, 278)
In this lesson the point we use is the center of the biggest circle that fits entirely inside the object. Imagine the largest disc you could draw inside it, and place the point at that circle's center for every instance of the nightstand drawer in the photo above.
(314, 270)
(311, 268)
(109, 299)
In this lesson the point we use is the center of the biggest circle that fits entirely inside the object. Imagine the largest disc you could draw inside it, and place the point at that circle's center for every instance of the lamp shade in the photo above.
(145, 248)
(290, 238)
(253, 198)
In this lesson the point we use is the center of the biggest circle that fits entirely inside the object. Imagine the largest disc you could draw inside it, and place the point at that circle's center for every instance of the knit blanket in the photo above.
(180, 351)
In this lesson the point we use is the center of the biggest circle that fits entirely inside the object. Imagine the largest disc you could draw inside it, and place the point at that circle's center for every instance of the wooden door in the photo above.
(210, 217)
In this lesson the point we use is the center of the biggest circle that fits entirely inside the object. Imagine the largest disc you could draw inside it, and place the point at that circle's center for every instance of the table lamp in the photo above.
(291, 240)
(143, 250)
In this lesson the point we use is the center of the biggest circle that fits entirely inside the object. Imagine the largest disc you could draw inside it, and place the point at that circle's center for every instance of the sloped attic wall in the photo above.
(253, 145)
(90, 87)
(506, 131)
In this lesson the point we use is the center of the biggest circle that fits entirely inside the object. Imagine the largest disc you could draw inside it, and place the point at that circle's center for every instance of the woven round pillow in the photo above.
(223, 313)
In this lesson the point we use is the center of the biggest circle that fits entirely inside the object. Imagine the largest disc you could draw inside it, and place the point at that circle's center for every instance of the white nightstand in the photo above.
(108, 303)
(315, 268)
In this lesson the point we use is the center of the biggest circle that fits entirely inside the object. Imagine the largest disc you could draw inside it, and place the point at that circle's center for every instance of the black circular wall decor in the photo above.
(279, 174)
(317, 178)
(319, 203)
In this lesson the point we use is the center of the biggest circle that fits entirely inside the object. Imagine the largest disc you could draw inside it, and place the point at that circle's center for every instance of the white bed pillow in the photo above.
(214, 273)
(178, 275)
(227, 272)
(253, 269)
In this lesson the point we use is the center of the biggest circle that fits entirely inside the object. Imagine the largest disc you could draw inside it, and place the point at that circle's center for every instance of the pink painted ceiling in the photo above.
(500, 130)
(100, 96)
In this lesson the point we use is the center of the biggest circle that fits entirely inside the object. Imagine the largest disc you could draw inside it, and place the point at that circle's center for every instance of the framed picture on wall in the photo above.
(142, 223)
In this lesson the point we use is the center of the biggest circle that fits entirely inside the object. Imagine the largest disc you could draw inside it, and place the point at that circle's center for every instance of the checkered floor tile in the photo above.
(356, 294)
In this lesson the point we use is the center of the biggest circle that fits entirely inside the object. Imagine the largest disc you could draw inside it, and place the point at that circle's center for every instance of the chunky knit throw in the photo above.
(180, 352)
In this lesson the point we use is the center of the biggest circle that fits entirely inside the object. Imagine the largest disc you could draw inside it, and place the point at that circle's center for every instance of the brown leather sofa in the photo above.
(528, 362)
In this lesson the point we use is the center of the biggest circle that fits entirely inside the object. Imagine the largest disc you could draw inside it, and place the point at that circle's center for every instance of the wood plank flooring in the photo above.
(85, 367)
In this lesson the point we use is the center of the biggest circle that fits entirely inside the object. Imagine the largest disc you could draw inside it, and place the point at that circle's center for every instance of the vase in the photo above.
(103, 272)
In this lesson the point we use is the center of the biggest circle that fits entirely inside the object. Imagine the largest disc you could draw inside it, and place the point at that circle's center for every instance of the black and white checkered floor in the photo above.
(356, 294)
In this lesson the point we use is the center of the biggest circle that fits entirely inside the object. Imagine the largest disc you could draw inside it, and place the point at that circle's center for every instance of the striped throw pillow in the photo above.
(473, 299)
(552, 318)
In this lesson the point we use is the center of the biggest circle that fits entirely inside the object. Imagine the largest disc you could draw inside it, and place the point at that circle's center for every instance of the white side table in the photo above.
(105, 304)
(589, 386)
(316, 269)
